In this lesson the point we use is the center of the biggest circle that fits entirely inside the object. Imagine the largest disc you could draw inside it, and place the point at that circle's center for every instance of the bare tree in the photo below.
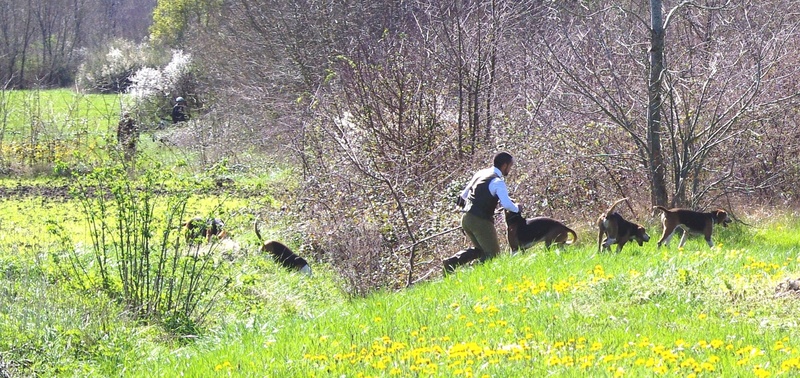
(700, 100)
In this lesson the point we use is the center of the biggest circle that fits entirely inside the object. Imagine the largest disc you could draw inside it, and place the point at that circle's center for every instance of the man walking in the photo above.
(127, 136)
(479, 200)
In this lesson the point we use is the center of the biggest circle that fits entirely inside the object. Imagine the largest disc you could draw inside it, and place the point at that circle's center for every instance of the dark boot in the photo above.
(462, 257)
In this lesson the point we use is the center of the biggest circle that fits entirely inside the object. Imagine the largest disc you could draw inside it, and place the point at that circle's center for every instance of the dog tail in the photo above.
(662, 208)
(574, 236)
(255, 226)
(600, 238)
(611, 208)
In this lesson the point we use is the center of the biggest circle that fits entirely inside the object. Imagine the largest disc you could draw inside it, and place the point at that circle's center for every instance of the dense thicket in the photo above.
(388, 106)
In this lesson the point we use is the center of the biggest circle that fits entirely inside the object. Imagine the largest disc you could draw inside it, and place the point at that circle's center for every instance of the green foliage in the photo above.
(172, 19)
(137, 252)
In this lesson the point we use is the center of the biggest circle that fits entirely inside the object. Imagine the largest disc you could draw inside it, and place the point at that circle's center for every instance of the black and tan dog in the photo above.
(283, 255)
(690, 221)
(618, 230)
(204, 229)
(523, 233)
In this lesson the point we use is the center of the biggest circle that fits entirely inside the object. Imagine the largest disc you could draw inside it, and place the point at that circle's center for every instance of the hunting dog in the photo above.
(618, 230)
(283, 255)
(523, 233)
(690, 221)
(204, 229)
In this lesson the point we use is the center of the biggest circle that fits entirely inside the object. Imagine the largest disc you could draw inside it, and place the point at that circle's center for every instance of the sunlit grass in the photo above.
(59, 112)
(692, 311)
(695, 311)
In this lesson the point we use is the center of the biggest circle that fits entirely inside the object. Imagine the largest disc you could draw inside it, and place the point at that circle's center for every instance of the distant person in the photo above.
(179, 111)
(479, 200)
(127, 136)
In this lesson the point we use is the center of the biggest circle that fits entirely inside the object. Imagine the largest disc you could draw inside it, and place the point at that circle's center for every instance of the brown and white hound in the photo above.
(523, 233)
(204, 229)
(618, 230)
(690, 221)
(283, 255)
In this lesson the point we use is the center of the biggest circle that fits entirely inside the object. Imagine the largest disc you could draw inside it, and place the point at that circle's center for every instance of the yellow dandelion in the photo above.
(660, 369)
(761, 372)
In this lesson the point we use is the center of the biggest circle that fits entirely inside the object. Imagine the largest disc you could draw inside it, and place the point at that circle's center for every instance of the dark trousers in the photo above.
(483, 235)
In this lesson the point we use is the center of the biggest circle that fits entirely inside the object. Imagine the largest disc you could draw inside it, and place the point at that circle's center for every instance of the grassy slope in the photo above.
(642, 312)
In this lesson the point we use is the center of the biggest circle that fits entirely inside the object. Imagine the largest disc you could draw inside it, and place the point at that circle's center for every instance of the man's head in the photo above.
(503, 161)
(180, 100)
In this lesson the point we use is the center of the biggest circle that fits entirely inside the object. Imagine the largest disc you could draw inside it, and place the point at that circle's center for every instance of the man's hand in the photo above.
(460, 202)
(519, 206)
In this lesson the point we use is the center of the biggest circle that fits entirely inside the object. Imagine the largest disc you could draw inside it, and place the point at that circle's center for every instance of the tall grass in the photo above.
(645, 312)
(41, 127)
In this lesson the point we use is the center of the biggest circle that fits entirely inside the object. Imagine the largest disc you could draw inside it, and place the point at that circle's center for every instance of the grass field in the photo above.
(60, 113)
(41, 127)
(690, 312)
(672, 312)
(695, 311)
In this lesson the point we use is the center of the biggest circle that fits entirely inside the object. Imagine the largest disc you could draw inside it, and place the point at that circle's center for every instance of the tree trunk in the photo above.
(658, 187)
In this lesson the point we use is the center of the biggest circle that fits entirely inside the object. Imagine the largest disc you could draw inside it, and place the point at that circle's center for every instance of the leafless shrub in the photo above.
(360, 255)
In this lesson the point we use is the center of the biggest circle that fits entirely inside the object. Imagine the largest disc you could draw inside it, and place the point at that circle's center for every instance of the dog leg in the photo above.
(707, 233)
(611, 232)
(666, 237)
(600, 242)
(683, 237)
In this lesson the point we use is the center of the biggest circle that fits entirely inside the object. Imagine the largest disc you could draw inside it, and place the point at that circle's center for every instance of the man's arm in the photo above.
(501, 191)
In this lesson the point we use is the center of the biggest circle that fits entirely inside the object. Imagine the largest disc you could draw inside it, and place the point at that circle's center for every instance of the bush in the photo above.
(137, 254)
(154, 89)
(109, 69)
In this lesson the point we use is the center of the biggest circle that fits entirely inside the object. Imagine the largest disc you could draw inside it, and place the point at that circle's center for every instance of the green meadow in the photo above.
(696, 311)
(689, 312)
